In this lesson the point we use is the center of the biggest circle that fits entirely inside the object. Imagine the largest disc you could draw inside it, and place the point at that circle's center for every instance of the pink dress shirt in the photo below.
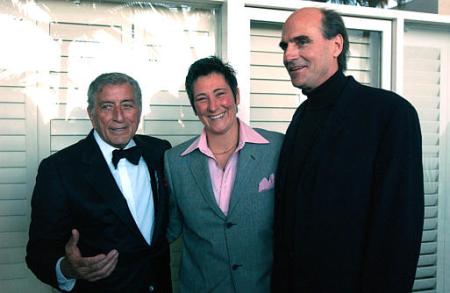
(223, 179)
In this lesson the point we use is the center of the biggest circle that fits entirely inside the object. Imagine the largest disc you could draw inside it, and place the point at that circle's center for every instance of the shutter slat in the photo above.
(13, 208)
(266, 100)
(267, 114)
(429, 247)
(426, 272)
(13, 224)
(159, 128)
(12, 191)
(12, 127)
(14, 255)
(266, 58)
(11, 95)
(13, 271)
(424, 284)
(12, 143)
(13, 159)
(427, 260)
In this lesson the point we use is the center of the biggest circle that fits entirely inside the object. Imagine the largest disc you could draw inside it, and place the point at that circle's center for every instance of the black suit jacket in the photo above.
(357, 216)
(75, 189)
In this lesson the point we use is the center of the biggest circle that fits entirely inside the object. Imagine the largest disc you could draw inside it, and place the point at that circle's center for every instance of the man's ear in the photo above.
(91, 116)
(338, 42)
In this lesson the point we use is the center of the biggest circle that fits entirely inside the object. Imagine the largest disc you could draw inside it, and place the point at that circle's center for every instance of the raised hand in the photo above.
(75, 266)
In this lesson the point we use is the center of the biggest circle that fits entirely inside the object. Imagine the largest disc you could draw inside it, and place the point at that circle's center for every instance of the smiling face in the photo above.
(215, 104)
(115, 115)
(309, 58)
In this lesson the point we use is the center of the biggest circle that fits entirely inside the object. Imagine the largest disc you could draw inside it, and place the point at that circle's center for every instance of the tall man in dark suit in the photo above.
(99, 207)
(349, 187)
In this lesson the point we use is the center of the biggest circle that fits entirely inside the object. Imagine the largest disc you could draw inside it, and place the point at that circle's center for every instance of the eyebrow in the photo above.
(219, 89)
(301, 38)
(127, 100)
(202, 94)
(296, 39)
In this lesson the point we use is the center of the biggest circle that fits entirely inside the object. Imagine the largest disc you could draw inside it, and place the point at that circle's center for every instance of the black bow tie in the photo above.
(132, 154)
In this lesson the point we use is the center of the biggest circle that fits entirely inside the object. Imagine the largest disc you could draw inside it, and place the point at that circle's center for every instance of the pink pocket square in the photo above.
(265, 184)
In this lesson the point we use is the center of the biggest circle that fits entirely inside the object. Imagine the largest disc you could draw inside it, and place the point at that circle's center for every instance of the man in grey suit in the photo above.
(221, 190)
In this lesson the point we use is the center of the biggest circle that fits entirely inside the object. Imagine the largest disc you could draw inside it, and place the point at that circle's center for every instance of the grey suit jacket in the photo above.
(223, 253)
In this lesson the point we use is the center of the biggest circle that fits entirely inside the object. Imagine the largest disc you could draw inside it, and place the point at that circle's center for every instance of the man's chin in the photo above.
(120, 143)
(296, 84)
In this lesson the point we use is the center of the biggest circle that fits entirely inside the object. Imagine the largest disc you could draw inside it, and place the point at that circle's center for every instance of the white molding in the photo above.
(445, 201)
(349, 10)
(236, 50)
(398, 44)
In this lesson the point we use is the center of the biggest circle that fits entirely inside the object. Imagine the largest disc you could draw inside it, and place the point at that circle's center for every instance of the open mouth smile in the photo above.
(118, 129)
(215, 117)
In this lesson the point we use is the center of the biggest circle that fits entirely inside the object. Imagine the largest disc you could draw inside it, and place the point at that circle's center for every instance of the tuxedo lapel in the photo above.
(157, 183)
(156, 178)
(97, 174)
(200, 171)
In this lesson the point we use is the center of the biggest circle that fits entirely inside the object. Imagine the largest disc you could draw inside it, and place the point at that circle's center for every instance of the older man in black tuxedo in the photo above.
(99, 207)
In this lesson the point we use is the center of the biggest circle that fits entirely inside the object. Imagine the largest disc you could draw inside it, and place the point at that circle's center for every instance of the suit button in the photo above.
(151, 288)
(235, 267)
(229, 225)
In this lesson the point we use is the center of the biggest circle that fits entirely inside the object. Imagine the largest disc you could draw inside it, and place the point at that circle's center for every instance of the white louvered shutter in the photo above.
(425, 67)
(422, 90)
(273, 98)
(17, 165)
(18, 157)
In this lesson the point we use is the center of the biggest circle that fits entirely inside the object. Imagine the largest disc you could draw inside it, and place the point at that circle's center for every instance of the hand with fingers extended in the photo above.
(75, 266)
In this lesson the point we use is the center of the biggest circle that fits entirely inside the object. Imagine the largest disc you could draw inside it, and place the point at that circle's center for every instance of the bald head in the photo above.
(313, 49)
(304, 13)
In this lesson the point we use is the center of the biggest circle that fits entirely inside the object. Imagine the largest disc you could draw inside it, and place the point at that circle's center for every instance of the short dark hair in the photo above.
(206, 66)
(114, 78)
(333, 25)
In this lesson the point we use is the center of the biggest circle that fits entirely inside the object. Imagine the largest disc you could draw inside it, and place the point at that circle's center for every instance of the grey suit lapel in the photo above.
(248, 162)
(200, 171)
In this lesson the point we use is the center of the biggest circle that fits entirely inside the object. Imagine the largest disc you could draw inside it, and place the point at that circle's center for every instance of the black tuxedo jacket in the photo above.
(75, 189)
(353, 222)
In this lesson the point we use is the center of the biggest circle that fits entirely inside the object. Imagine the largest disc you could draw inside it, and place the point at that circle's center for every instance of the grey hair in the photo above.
(112, 78)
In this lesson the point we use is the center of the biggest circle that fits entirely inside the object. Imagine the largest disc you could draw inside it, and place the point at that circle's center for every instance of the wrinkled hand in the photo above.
(75, 266)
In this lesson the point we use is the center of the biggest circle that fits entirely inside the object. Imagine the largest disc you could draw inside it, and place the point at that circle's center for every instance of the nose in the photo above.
(117, 114)
(212, 105)
(290, 53)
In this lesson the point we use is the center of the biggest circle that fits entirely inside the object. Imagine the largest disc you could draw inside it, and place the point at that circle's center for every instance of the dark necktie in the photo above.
(132, 154)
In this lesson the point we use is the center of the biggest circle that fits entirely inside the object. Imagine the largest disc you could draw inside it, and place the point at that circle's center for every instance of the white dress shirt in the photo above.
(135, 184)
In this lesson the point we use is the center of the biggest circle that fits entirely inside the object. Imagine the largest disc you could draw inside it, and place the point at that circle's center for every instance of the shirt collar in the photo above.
(106, 148)
(246, 135)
